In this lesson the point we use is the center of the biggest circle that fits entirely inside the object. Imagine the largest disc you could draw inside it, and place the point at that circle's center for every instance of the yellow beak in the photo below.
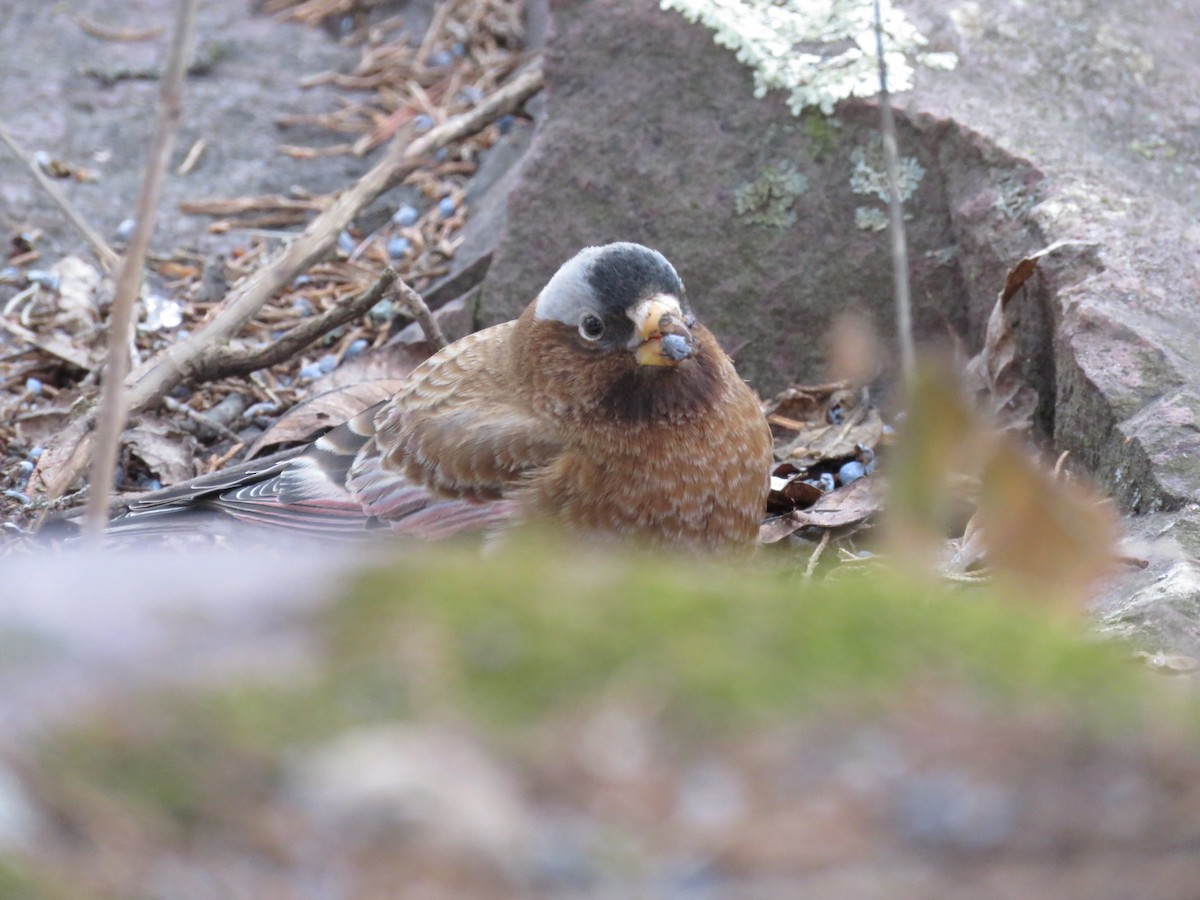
(664, 339)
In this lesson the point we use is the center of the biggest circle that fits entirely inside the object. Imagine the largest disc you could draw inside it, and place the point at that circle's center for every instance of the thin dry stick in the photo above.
(222, 362)
(156, 377)
(111, 417)
(419, 310)
(202, 419)
(107, 256)
(904, 328)
(816, 556)
(159, 375)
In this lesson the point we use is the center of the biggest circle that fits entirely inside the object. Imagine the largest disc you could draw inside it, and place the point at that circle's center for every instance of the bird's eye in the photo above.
(591, 327)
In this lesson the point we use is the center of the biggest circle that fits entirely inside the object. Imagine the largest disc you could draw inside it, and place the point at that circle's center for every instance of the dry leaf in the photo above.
(994, 376)
(849, 505)
(78, 287)
(305, 420)
(168, 451)
(822, 423)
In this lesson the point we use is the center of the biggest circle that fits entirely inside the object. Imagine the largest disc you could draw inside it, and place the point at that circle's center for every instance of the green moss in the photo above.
(532, 634)
(21, 882)
(821, 132)
(519, 639)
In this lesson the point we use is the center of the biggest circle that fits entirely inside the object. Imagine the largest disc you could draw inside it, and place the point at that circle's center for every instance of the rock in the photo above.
(1041, 134)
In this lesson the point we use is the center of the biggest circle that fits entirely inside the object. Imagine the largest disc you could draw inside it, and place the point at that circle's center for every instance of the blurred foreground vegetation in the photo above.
(523, 653)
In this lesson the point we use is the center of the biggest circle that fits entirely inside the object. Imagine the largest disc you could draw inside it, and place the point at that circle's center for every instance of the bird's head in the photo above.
(612, 334)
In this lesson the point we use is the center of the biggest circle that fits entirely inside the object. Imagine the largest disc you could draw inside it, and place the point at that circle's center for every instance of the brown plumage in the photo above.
(605, 408)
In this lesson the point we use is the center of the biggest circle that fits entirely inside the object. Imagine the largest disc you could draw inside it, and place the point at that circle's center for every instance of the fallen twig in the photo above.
(201, 418)
(417, 308)
(108, 33)
(110, 420)
(156, 377)
(107, 256)
(221, 361)
(816, 556)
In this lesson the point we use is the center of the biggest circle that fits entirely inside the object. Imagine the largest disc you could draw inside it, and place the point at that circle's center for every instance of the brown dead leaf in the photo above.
(818, 423)
(305, 420)
(38, 426)
(388, 363)
(795, 493)
(167, 450)
(55, 343)
(994, 376)
(846, 506)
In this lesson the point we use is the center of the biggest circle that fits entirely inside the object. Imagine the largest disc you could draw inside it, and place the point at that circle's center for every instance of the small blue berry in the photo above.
(471, 94)
(381, 310)
(440, 58)
(675, 346)
(506, 122)
(42, 278)
(397, 247)
(301, 306)
(327, 363)
(346, 242)
(422, 122)
(33, 385)
(125, 229)
(825, 482)
(851, 471)
(151, 484)
(311, 372)
(36, 452)
(25, 467)
(301, 280)
(446, 206)
(406, 216)
(356, 348)
(459, 49)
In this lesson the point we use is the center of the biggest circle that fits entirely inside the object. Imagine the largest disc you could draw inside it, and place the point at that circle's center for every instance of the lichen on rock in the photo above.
(819, 51)
(870, 173)
(768, 199)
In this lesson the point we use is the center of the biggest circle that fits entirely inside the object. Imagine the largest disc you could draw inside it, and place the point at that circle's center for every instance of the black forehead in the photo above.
(622, 276)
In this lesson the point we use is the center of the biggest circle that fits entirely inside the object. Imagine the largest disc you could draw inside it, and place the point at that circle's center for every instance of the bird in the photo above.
(605, 409)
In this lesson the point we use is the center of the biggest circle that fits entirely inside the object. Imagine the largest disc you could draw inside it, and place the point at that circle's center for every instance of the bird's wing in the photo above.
(457, 429)
(436, 459)
(303, 488)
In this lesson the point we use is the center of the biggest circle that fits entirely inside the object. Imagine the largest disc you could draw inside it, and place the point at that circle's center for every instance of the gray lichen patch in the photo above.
(868, 218)
(870, 173)
(820, 52)
(768, 199)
